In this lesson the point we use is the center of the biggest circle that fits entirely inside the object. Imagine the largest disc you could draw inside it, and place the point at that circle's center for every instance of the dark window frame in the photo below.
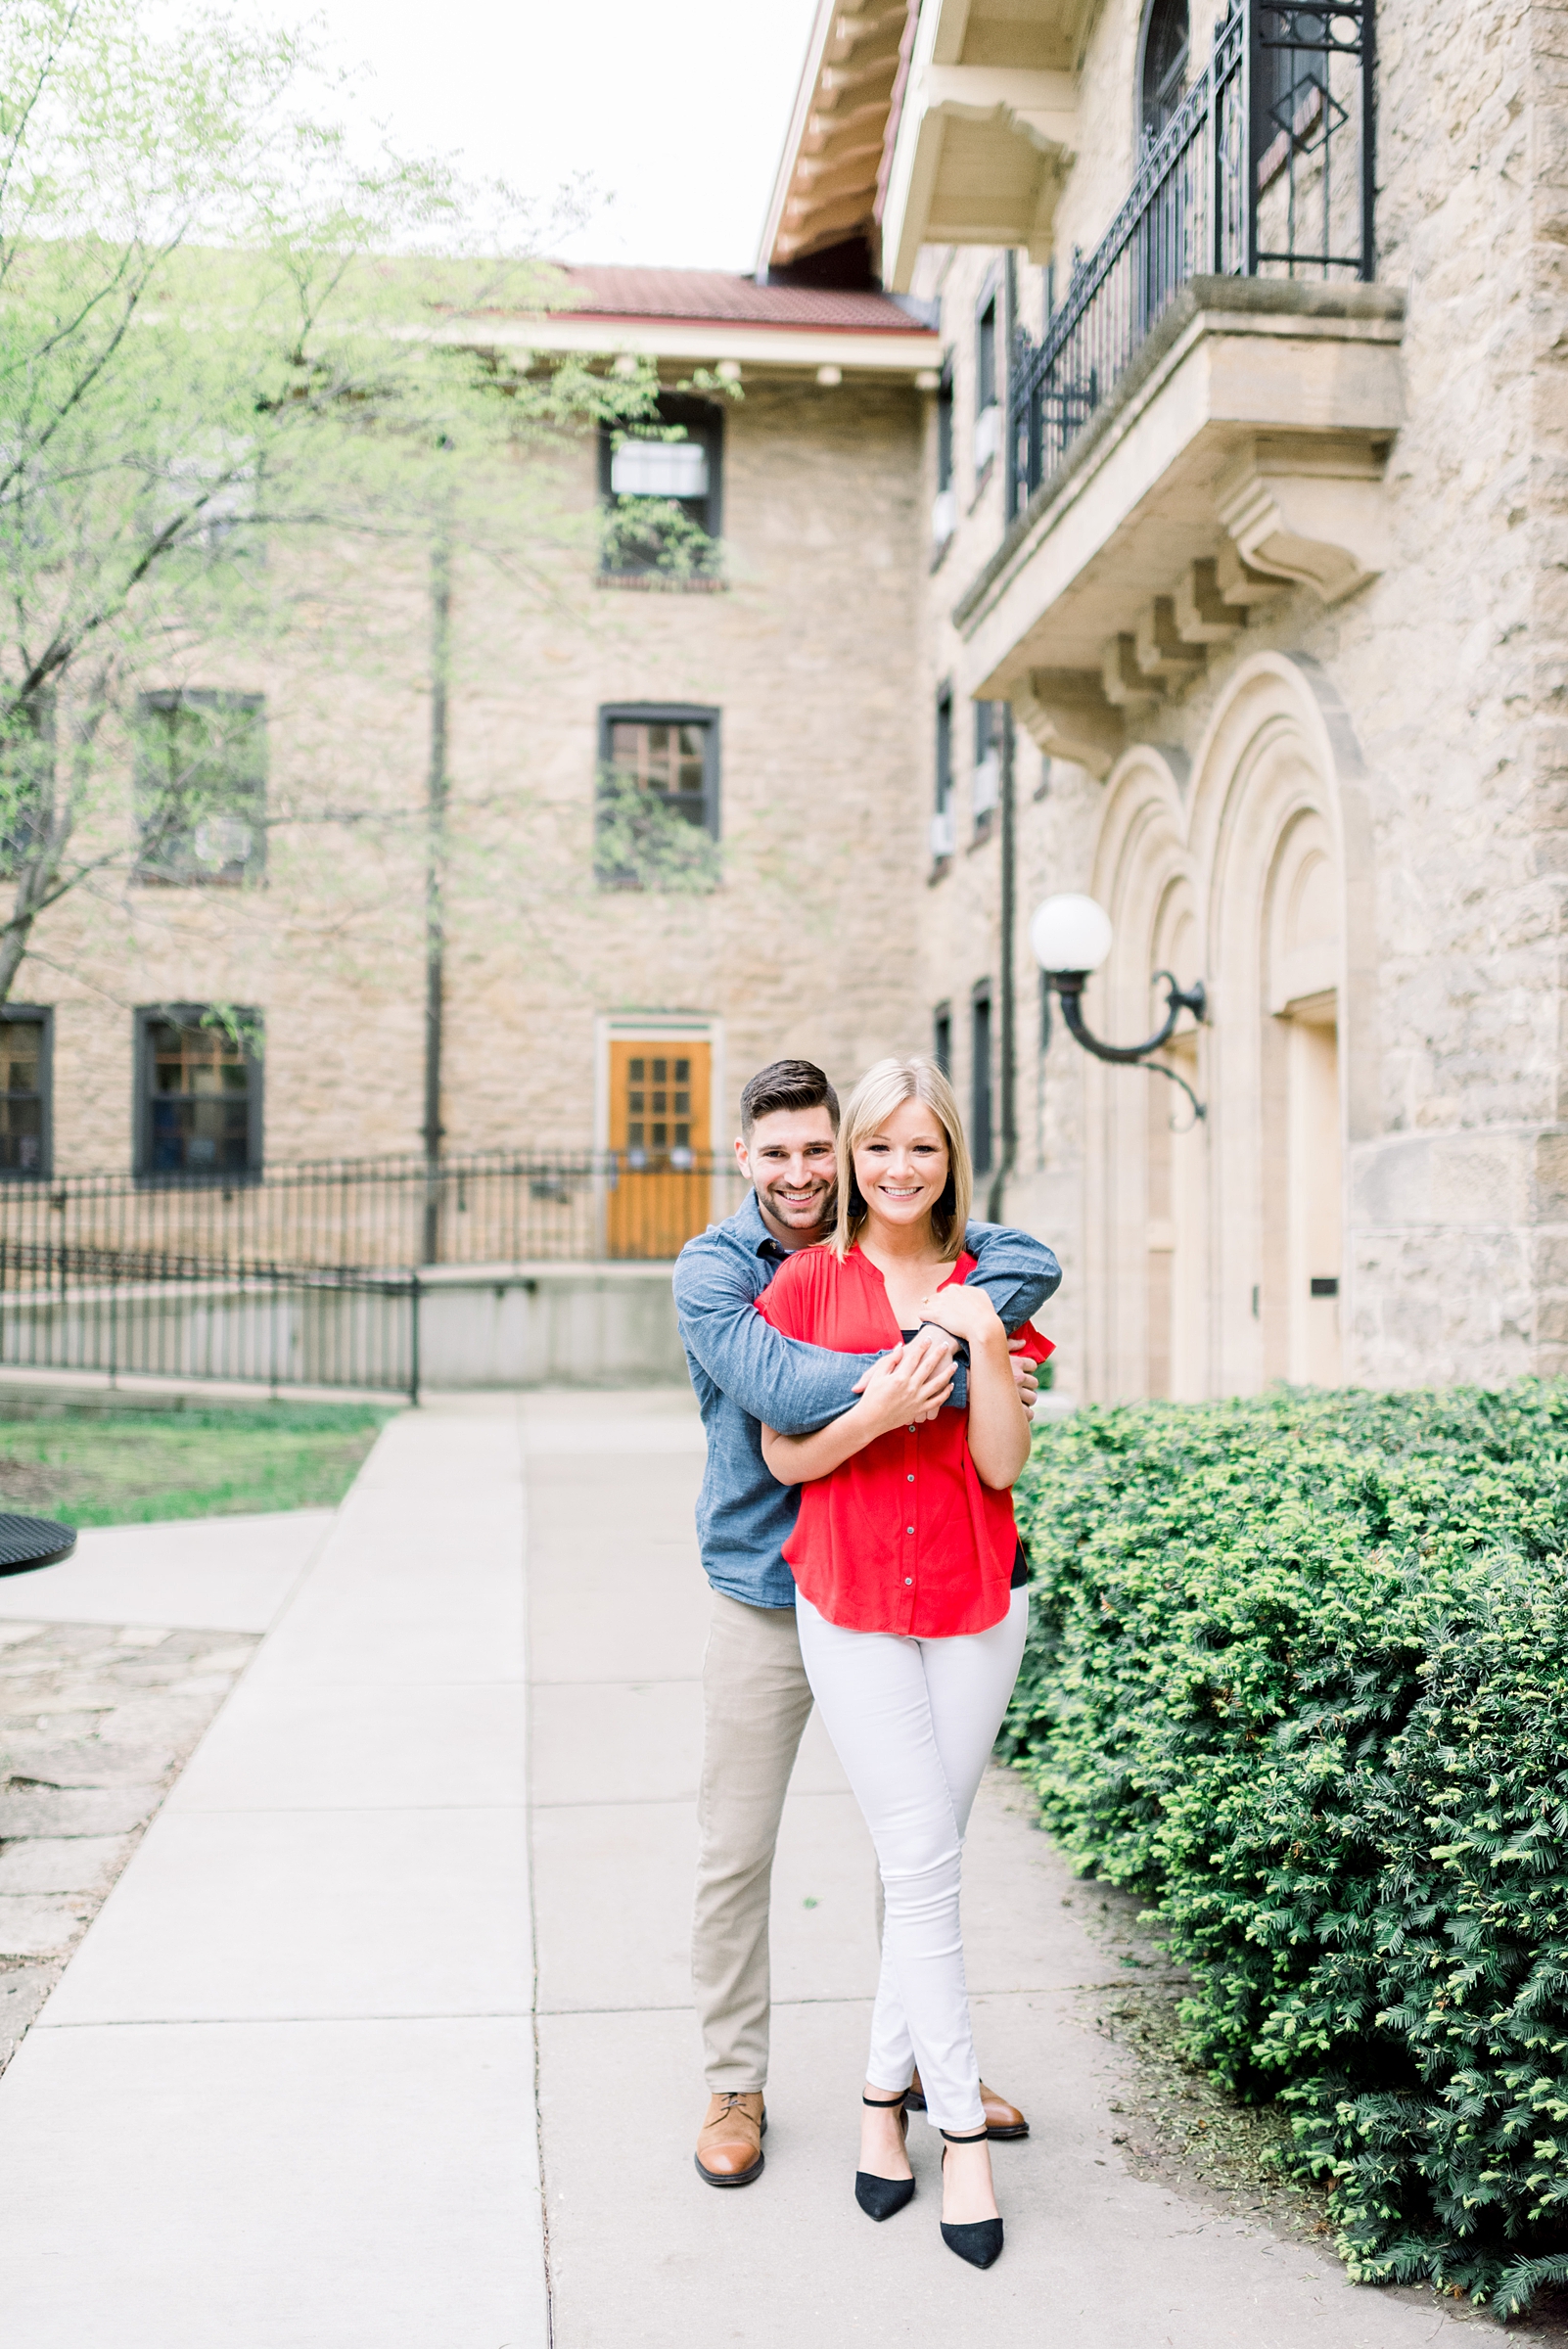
(987, 738)
(164, 702)
(982, 1096)
(1156, 106)
(146, 1017)
(988, 328)
(942, 1038)
(944, 427)
(702, 422)
(942, 801)
(671, 713)
(40, 1015)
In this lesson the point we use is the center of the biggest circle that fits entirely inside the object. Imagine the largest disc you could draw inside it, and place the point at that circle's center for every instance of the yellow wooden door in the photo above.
(658, 1129)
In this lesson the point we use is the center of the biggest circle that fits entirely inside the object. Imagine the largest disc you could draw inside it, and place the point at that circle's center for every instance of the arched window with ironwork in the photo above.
(1164, 47)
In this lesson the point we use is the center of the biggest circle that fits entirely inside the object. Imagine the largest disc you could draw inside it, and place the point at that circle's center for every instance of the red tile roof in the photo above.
(713, 293)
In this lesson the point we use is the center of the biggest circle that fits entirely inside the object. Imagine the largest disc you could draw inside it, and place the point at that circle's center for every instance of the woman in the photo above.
(910, 1610)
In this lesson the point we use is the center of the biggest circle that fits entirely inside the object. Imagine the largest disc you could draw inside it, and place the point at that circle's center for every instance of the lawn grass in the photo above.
(136, 1468)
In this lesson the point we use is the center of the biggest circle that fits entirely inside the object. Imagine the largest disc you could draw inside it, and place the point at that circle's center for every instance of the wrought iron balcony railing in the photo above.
(1267, 170)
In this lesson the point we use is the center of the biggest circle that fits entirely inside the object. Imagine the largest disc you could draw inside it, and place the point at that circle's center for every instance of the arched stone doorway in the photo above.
(1215, 1254)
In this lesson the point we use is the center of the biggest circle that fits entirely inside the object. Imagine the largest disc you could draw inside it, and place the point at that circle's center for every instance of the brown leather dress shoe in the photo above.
(1001, 2118)
(729, 2144)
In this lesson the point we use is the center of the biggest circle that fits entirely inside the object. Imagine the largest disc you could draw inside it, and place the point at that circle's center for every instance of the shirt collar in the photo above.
(755, 1232)
(751, 1228)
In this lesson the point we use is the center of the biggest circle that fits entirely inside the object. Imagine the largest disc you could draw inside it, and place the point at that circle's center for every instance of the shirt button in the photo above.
(908, 1581)
(909, 1480)
(909, 1529)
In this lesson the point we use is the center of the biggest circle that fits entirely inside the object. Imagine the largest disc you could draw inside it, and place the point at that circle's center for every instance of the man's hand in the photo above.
(909, 1384)
(1026, 1375)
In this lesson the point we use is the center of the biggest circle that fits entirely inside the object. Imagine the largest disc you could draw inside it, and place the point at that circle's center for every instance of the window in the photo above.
(658, 1110)
(941, 834)
(1292, 84)
(1163, 64)
(944, 510)
(201, 787)
(986, 782)
(658, 799)
(988, 415)
(198, 1092)
(942, 1038)
(26, 1070)
(26, 779)
(980, 1077)
(662, 496)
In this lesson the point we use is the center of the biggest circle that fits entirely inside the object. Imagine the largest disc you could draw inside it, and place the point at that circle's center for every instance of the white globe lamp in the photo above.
(1072, 936)
(1070, 932)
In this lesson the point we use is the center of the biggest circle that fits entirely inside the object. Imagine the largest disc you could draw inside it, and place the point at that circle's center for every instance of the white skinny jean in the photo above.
(913, 1721)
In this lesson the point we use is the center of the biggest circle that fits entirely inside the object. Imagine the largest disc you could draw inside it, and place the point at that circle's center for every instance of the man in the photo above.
(755, 1697)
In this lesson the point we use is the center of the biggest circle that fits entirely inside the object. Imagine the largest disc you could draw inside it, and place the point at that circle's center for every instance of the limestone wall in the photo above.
(1450, 668)
(806, 946)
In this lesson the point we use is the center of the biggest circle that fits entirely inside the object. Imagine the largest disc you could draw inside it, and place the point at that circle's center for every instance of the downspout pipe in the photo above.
(1008, 922)
(434, 874)
(1008, 1072)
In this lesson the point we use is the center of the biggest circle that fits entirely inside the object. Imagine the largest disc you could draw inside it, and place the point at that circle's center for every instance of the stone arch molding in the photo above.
(1205, 876)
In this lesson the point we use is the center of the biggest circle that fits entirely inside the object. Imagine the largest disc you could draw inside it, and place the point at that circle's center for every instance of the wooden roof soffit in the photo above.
(835, 151)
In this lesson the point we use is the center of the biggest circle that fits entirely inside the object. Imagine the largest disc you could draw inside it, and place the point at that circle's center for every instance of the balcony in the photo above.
(981, 131)
(1206, 420)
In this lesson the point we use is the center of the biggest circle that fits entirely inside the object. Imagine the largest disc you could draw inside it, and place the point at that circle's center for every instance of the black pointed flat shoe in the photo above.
(980, 2242)
(883, 2198)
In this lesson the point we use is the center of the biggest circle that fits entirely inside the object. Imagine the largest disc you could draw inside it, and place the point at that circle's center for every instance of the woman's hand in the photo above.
(908, 1384)
(998, 1430)
(966, 1312)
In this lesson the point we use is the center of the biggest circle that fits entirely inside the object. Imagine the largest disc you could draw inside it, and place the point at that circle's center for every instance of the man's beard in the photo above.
(824, 1208)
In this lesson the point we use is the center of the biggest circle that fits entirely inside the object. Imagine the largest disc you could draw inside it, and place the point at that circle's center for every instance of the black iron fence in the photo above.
(313, 1274)
(1265, 170)
(369, 1215)
(271, 1325)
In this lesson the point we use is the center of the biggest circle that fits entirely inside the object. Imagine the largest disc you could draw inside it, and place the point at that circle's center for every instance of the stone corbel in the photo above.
(1066, 712)
(1202, 614)
(1120, 675)
(1163, 651)
(1310, 508)
(1041, 107)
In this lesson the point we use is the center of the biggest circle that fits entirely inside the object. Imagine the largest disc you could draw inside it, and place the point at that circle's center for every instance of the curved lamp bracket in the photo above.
(1070, 986)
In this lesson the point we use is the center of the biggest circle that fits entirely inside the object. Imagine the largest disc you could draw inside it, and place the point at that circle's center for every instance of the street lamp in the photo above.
(1071, 936)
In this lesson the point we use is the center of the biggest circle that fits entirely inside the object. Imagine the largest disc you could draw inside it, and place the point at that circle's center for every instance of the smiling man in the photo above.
(755, 1697)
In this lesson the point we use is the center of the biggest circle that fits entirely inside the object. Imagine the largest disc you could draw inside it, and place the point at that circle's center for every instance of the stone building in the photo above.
(1243, 615)
(760, 703)
(1136, 467)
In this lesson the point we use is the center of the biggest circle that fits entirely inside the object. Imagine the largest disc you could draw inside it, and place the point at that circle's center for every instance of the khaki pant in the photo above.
(755, 1704)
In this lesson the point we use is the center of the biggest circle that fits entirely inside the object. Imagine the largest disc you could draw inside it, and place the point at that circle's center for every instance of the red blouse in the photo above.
(904, 1536)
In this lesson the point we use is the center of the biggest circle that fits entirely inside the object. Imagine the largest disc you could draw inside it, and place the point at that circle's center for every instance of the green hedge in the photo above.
(1299, 1673)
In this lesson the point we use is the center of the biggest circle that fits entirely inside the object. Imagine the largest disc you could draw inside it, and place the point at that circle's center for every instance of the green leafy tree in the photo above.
(233, 354)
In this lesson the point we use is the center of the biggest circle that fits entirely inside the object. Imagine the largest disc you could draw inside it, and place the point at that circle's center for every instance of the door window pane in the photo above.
(199, 1082)
(23, 1077)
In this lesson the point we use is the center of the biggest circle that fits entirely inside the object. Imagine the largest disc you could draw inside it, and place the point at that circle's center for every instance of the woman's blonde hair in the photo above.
(883, 1089)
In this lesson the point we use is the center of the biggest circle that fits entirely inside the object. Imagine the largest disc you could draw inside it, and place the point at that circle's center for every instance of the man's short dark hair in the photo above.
(786, 1085)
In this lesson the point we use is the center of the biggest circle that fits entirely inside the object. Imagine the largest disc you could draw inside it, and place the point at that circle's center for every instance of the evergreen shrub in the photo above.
(1298, 1671)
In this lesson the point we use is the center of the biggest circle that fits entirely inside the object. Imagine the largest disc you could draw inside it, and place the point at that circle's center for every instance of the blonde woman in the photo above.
(911, 1621)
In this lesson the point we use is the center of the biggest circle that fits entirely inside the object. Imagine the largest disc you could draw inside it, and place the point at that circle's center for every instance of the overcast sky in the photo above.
(677, 112)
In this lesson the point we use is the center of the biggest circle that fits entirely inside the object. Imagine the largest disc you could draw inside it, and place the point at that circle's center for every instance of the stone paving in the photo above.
(96, 1722)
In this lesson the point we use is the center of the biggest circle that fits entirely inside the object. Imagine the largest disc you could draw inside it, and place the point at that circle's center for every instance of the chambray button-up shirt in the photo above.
(746, 1373)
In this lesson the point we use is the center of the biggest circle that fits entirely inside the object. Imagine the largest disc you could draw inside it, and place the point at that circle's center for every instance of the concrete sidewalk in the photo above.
(282, 2098)
(641, 2252)
(285, 2094)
